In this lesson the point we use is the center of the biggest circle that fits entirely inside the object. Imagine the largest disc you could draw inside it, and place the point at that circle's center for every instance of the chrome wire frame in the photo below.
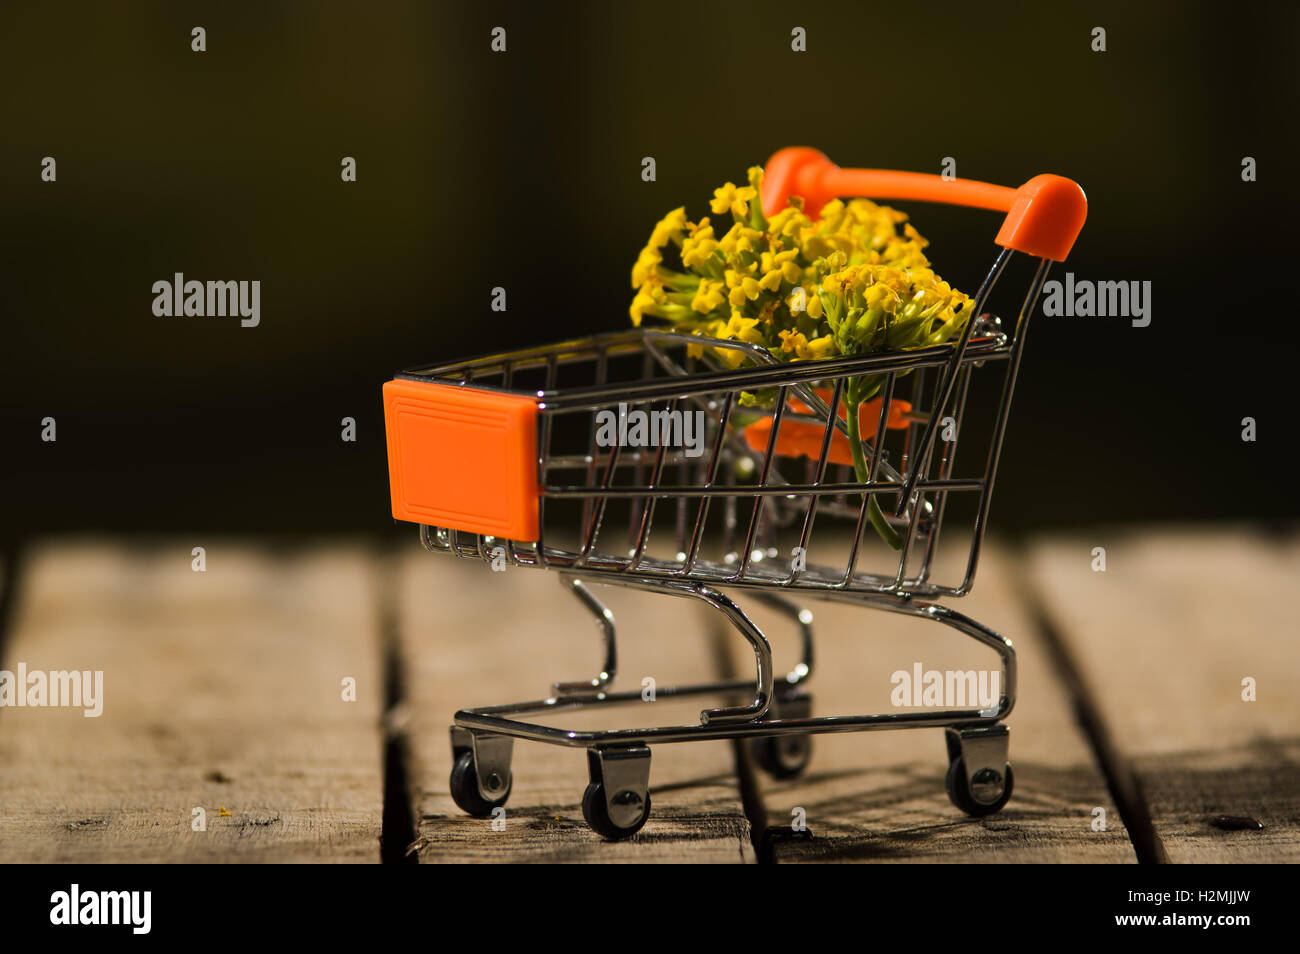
(920, 487)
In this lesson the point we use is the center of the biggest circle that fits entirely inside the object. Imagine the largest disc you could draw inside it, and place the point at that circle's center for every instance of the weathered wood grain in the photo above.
(471, 637)
(222, 690)
(880, 796)
(1164, 638)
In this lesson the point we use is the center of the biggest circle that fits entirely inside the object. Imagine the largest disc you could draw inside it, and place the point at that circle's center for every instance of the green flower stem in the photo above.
(672, 279)
(670, 311)
(853, 404)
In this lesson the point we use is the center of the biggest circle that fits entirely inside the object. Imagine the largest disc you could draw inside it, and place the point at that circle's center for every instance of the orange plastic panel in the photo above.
(1044, 216)
(801, 439)
(462, 458)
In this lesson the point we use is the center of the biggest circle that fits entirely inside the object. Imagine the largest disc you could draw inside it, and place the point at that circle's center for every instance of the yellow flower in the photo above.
(640, 303)
(729, 356)
(821, 347)
(910, 231)
(669, 228)
(814, 304)
(860, 279)
(733, 198)
(699, 246)
(860, 268)
(797, 343)
(783, 263)
(832, 215)
(746, 290)
(791, 341)
(877, 294)
(744, 329)
(734, 274)
(788, 221)
(646, 263)
(739, 239)
(647, 299)
(708, 297)
(904, 254)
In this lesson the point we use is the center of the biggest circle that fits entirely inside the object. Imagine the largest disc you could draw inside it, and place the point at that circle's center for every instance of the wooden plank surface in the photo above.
(221, 690)
(470, 637)
(1163, 638)
(880, 796)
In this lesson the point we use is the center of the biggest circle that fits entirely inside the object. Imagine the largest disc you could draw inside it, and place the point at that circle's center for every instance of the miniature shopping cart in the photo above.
(500, 459)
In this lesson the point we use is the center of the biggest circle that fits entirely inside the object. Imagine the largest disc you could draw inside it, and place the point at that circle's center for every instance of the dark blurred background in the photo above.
(522, 169)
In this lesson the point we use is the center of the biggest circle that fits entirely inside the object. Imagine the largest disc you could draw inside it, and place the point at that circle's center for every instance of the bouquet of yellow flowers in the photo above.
(850, 283)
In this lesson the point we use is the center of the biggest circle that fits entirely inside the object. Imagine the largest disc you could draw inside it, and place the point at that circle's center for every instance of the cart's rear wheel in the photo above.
(465, 791)
(596, 811)
(959, 789)
(782, 756)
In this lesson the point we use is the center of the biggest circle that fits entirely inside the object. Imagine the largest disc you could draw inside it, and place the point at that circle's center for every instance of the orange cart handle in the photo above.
(1044, 216)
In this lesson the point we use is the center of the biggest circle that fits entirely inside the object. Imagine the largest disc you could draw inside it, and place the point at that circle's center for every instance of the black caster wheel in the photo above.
(782, 756)
(596, 812)
(959, 791)
(464, 788)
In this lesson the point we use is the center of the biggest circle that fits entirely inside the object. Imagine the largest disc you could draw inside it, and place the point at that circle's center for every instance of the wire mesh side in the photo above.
(729, 497)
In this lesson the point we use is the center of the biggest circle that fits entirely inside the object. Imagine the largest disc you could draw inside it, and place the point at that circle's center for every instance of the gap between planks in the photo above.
(880, 796)
(1163, 639)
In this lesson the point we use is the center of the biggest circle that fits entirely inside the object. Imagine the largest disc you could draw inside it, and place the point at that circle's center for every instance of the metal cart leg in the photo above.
(763, 681)
(979, 780)
(757, 641)
(804, 618)
(787, 756)
(617, 801)
(604, 619)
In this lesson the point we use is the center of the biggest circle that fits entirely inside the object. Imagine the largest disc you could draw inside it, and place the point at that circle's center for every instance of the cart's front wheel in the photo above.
(465, 789)
(633, 811)
(990, 791)
(783, 756)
